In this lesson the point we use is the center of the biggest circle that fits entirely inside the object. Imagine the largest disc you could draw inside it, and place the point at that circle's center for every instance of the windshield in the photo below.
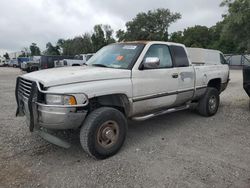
(120, 56)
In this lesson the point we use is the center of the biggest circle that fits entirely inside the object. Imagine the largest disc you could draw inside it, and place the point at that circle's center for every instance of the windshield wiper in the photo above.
(99, 65)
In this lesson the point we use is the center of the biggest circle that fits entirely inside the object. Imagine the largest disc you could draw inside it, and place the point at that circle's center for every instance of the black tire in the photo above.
(92, 132)
(32, 69)
(208, 105)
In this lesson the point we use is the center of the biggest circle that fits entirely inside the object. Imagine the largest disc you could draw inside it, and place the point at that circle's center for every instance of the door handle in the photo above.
(175, 75)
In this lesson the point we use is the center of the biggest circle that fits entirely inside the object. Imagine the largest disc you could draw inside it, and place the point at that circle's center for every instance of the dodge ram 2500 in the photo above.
(130, 80)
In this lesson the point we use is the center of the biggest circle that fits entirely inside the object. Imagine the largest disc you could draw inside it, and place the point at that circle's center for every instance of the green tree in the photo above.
(61, 44)
(197, 36)
(52, 50)
(78, 45)
(34, 50)
(177, 37)
(219, 41)
(102, 36)
(152, 25)
(237, 24)
(121, 35)
(23, 54)
(98, 37)
(88, 46)
(203, 37)
(108, 32)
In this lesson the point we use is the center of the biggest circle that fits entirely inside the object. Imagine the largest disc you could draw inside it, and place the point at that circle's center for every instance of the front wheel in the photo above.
(209, 103)
(104, 132)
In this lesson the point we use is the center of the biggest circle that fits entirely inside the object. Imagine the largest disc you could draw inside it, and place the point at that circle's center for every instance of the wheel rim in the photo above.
(108, 134)
(212, 103)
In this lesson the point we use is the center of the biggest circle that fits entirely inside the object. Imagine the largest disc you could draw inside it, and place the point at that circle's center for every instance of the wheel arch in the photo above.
(215, 83)
(119, 101)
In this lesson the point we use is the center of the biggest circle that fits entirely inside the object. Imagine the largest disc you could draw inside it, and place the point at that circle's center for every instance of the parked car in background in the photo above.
(47, 61)
(88, 56)
(133, 80)
(32, 65)
(12, 63)
(2, 61)
(78, 60)
(69, 62)
(21, 60)
(6, 62)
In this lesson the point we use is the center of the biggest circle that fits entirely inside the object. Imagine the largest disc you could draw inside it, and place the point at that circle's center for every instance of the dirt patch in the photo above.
(13, 174)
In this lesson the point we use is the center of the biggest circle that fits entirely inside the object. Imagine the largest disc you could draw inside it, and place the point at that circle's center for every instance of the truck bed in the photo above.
(204, 73)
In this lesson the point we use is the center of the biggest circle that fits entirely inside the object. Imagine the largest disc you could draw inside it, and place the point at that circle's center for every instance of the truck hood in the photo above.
(68, 75)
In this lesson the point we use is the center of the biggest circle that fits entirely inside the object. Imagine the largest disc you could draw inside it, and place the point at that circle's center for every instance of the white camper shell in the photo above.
(200, 56)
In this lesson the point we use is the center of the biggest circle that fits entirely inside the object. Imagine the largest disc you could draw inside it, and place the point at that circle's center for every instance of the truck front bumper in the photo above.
(38, 114)
(59, 118)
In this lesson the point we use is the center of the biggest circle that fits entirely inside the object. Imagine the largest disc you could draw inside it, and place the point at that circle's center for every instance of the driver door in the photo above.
(155, 88)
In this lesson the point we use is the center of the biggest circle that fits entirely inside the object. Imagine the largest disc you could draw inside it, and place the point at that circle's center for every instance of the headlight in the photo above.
(60, 99)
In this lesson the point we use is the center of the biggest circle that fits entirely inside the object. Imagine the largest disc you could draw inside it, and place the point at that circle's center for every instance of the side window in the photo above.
(179, 56)
(222, 59)
(162, 52)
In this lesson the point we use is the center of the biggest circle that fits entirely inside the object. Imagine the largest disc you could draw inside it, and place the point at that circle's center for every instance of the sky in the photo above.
(25, 21)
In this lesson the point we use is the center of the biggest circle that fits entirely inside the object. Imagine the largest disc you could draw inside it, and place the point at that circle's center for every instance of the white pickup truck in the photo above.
(78, 61)
(132, 80)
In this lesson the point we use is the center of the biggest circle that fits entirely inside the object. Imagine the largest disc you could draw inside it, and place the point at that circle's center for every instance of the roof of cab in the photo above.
(147, 42)
(139, 41)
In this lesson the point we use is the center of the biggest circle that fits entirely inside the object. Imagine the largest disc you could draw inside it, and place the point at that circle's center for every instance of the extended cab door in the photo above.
(155, 88)
(186, 74)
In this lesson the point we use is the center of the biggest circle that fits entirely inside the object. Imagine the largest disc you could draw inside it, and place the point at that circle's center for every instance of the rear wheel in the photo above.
(209, 104)
(104, 132)
(32, 69)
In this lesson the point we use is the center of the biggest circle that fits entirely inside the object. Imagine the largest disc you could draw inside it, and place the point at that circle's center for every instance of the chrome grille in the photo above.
(24, 87)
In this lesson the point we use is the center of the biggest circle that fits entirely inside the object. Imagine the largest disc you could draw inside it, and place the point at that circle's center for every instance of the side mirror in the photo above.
(151, 63)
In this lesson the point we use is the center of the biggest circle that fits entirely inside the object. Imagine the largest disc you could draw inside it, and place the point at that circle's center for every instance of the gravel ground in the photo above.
(181, 149)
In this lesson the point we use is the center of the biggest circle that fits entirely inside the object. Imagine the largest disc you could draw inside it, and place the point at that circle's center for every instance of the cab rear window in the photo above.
(179, 56)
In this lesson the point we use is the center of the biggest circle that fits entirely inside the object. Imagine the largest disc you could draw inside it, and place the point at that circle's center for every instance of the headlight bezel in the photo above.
(65, 99)
(82, 99)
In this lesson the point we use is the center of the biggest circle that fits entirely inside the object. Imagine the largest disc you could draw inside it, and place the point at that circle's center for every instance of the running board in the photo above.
(170, 110)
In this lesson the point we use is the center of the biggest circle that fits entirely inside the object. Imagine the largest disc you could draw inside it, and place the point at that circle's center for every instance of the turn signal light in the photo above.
(72, 100)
